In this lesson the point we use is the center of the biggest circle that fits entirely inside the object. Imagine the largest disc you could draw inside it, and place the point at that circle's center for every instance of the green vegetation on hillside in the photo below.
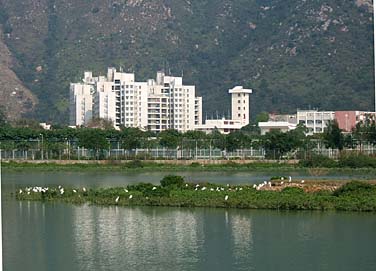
(292, 53)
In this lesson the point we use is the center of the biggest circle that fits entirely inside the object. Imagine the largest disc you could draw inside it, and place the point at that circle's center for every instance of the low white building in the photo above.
(315, 121)
(282, 126)
(239, 110)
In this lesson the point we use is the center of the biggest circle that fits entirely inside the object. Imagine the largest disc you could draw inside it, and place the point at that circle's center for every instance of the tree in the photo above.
(218, 139)
(262, 117)
(3, 119)
(236, 140)
(169, 138)
(333, 137)
(132, 138)
(277, 143)
(93, 139)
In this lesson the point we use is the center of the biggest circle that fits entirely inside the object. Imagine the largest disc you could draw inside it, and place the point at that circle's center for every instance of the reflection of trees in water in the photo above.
(139, 238)
(241, 230)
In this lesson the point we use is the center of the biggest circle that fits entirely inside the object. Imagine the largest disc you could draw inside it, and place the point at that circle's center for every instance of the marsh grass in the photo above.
(353, 196)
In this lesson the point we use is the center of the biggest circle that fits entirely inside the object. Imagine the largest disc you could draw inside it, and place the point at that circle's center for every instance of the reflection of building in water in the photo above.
(241, 228)
(137, 238)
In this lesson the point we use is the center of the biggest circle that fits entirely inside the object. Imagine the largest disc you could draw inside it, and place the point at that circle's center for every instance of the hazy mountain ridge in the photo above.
(292, 53)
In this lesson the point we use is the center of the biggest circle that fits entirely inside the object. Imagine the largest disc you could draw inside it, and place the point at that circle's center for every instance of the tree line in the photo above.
(24, 135)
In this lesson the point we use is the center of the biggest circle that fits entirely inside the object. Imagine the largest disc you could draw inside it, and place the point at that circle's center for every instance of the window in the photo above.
(239, 115)
(238, 101)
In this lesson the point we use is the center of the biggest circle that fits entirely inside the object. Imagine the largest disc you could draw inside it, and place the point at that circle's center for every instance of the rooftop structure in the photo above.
(240, 113)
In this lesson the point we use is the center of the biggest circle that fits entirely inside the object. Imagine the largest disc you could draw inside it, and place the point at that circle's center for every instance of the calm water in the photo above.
(52, 236)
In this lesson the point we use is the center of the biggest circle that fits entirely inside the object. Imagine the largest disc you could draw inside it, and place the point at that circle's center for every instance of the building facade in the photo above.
(80, 104)
(347, 120)
(315, 121)
(156, 105)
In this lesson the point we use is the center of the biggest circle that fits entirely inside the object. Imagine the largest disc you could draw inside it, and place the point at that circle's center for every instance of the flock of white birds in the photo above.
(197, 187)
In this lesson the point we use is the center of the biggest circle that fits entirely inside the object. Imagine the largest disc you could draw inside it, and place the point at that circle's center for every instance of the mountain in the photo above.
(294, 53)
(15, 98)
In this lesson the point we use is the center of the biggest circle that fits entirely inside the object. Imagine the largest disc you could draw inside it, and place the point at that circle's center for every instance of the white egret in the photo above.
(126, 190)
(154, 188)
(117, 199)
(84, 189)
(302, 181)
(226, 197)
(290, 179)
(74, 191)
(131, 196)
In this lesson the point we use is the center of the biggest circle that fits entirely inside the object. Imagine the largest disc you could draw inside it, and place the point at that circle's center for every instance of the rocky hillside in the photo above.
(15, 99)
(293, 53)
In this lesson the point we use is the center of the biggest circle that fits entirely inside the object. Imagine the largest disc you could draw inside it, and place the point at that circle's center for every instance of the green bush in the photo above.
(292, 190)
(172, 180)
(354, 187)
(318, 161)
(134, 164)
(357, 161)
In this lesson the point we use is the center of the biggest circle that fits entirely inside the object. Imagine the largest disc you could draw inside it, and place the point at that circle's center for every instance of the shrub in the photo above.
(292, 190)
(318, 161)
(354, 187)
(357, 161)
(172, 180)
(134, 164)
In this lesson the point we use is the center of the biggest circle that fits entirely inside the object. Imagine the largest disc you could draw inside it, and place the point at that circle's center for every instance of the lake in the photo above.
(55, 236)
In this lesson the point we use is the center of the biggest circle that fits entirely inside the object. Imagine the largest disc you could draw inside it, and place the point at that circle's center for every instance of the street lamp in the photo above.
(42, 147)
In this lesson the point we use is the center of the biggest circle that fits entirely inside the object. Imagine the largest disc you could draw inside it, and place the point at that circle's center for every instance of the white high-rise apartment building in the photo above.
(155, 105)
(80, 104)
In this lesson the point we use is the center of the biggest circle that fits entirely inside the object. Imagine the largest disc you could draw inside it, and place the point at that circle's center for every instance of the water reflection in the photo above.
(241, 230)
(135, 237)
(50, 236)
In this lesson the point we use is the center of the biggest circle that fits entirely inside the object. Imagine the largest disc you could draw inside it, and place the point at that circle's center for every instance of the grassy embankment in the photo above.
(174, 192)
(137, 165)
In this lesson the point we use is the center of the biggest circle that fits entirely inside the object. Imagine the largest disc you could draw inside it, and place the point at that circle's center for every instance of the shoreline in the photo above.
(178, 165)
(275, 195)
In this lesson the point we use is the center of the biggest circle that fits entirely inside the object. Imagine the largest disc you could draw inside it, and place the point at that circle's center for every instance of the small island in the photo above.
(280, 193)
